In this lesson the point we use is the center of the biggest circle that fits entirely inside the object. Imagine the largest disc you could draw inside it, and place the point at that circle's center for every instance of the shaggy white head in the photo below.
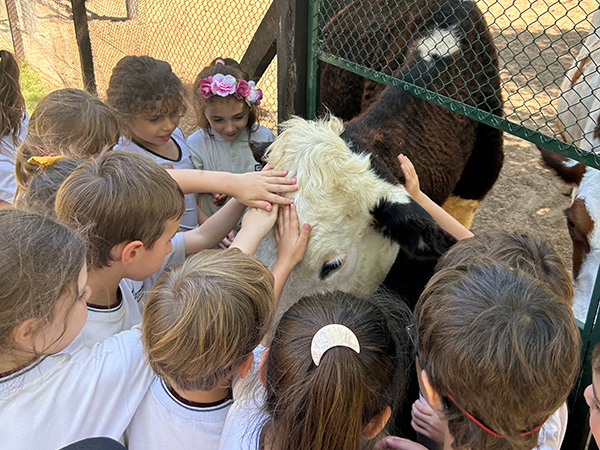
(337, 192)
(584, 284)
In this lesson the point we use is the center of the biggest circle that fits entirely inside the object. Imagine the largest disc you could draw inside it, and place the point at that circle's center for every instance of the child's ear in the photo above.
(262, 367)
(430, 394)
(127, 251)
(377, 423)
(245, 365)
(24, 334)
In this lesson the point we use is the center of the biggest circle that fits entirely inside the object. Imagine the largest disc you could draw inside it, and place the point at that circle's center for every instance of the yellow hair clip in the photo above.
(44, 160)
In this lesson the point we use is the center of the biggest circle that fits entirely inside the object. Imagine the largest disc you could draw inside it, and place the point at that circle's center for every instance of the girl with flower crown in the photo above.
(226, 102)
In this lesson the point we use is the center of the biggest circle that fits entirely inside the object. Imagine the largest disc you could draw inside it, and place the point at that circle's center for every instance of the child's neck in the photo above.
(105, 285)
(216, 395)
(168, 150)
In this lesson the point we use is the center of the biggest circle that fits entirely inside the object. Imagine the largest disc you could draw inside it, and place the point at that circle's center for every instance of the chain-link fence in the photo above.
(189, 35)
(443, 51)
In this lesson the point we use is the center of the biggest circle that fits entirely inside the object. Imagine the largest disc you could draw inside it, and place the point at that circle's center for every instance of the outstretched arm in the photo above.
(444, 220)
(291, 246)
(255, 226)
(254, 189)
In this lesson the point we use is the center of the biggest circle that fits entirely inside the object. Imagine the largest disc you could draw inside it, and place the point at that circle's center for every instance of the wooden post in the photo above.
(292, 41)
(15, 29)
(263, 46)
(84, 45)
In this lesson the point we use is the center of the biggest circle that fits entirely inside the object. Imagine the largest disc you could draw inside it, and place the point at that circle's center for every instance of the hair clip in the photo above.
(219, 61)
(44, 160)
(224, 85)
(333, 335)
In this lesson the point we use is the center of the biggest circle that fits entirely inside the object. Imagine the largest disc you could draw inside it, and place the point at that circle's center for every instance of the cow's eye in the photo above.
(330, 266)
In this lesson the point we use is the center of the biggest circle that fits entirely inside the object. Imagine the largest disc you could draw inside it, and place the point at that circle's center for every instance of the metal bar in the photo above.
(515, 129)
(84, 45)
(312, 69)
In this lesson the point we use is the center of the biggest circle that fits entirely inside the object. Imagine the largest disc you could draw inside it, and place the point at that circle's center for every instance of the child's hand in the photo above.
(291, 240)
(259, 189)
(396, 443)
(426, 421)
(410, 175)
(219, 199)
(255, 226)
(226, 242)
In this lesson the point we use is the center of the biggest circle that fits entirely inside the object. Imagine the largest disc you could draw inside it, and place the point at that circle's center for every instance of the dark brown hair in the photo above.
(12, 103)
(535, 257)
(596, 359)
(66, 122)
(231, 67)
(502, 345)
(328, 406)
(138, 83)
(40, 263)
(119, 196)
(204, 317)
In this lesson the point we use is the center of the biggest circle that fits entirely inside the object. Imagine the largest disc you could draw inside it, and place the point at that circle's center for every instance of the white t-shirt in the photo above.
(246, 417)
(8, 147)
(553, 431)
(189, 221)
(163, 422)
(215, 153)
(104, 323)
(66, 397)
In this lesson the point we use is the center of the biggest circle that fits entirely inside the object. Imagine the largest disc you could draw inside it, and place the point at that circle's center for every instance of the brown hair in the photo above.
(231, 67)
(40, 194)
(533, 256)
(502, 345)
(119, 196)
(138, 83)
(12, 102)
(205, 316)
(596, 359)
(328, 406)
(40, 263)
(66, 122)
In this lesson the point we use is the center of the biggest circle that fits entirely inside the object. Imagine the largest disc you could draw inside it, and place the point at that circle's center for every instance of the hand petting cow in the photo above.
(444, 46)
(578, 122)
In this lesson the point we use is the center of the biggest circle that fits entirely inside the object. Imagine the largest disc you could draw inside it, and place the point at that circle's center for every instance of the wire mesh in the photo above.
(445, 51)
(189, 35)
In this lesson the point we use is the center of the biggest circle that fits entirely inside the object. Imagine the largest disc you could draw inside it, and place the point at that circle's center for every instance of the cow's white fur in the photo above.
(439, 43)
(337, 189)
(589, 191)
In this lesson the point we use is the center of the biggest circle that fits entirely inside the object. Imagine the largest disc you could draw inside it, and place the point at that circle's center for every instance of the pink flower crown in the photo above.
(224, 85)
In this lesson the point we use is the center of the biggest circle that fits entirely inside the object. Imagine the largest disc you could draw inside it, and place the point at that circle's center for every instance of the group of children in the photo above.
(119, 318)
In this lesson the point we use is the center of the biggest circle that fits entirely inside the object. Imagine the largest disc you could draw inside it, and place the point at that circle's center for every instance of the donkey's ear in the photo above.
(409, 225)
(258, 150)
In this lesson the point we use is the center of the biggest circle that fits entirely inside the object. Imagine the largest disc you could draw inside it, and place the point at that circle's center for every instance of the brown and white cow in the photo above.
(578, 121)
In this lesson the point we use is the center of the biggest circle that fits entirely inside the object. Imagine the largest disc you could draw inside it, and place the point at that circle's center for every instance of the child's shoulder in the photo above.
(198, 136)
(262, 134)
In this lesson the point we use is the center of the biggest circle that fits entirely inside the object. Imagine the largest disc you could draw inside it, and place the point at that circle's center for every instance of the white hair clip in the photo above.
(333, 335)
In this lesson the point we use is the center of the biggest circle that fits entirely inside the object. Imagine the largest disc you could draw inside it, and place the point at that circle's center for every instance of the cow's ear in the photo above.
(412, 228)
(258, 150)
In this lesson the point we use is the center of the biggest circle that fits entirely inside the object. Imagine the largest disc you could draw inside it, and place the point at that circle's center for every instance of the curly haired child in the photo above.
(67, 122)
(13, 124)
(226, 102)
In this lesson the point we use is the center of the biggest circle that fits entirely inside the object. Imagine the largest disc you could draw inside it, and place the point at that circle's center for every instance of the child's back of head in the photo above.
(12, 102)
(528, 254)
(66, 122)
(335, 401)
(499, 349)
(204, 318)
(119, 196)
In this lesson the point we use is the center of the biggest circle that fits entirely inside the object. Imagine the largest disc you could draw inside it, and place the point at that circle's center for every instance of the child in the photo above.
(328, 387)
(497, 354)
(148, 99)
(13, 124)
(49, 400)
(226, 103)
(66, 122)
(130, 208)
(532, 257)
(591, 395)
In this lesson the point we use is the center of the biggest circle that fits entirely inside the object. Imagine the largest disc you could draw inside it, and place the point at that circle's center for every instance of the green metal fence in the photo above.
(530, 51)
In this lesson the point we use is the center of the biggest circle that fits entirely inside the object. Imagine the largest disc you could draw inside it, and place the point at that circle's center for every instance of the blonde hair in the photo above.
(499, 344)
(12, 102)
(40, 261)
(205, 316)
(66, 122)
(328, 406)
(119, 196)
